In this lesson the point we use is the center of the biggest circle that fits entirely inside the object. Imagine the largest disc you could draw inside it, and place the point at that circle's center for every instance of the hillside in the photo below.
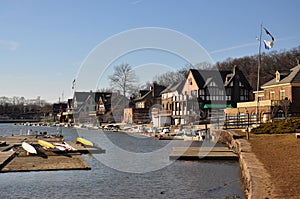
(270, 62)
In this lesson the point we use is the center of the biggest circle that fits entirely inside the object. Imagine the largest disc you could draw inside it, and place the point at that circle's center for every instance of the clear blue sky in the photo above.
(43, 43)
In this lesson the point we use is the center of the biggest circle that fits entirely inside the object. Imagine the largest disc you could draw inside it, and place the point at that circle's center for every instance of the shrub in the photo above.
(278, 127)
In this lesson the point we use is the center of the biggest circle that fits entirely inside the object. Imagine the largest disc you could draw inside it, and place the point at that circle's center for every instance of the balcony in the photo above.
(260, 103)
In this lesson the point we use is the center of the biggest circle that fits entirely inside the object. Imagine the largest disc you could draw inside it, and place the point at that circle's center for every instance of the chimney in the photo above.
(153, 89)
(234, 69)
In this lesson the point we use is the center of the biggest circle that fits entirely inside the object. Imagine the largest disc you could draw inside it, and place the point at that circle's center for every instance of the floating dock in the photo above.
(202, 153)
(6, 157)
(13, 158)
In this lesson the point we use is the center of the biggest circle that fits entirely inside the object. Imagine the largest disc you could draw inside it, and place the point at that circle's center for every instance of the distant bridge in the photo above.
(18, 120)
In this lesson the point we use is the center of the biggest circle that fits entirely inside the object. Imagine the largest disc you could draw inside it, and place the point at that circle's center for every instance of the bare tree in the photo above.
(274, 111)
(124, 78)
(285, 105)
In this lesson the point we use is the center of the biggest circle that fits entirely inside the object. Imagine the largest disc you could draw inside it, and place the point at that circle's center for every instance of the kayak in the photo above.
(64, 147)
(84, 141)
(46, 144)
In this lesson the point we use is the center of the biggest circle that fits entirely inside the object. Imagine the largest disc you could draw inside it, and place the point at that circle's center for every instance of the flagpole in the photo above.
(258, 75)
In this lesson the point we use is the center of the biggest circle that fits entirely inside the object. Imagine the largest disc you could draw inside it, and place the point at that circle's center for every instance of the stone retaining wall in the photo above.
(256, 179)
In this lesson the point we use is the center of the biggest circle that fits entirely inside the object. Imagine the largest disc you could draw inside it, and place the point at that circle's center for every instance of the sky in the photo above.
(44, 44)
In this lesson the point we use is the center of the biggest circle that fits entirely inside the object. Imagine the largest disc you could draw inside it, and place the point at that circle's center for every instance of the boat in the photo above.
(191, 138)
(190, 135)
(3, 143)
(84, 141)
(46, 144)
(68, 145)
(29, 148)
(61, 147)
(64, 146)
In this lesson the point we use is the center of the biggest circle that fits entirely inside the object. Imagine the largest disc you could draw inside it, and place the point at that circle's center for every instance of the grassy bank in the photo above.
(278, 127)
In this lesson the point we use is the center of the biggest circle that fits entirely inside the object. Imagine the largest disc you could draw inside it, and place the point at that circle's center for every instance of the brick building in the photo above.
(285, 86)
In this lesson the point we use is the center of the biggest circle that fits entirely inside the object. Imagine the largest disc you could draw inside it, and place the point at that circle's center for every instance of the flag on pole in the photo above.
(73, 84)
(269, 44)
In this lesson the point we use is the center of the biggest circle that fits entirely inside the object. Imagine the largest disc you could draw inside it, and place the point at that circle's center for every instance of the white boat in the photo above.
(29, 148)
(190, 135)
(165, 131)
(191, 138)
(64, 146)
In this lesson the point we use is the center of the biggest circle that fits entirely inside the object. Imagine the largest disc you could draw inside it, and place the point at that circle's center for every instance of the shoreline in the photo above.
(256, 179)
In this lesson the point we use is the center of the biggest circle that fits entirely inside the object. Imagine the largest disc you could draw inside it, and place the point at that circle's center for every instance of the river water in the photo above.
(133, 166)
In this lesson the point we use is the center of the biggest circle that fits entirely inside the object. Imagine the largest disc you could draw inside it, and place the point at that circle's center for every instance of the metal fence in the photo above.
(240, 121)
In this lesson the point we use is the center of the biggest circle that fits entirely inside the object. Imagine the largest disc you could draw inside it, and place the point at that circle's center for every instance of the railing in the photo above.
(239, 121)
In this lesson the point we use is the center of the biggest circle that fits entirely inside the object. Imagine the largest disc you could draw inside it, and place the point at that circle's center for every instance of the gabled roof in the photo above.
(293, 77)
(82, 96)
(146, 96)
(221, 78)
(177, 86)
(203, 77)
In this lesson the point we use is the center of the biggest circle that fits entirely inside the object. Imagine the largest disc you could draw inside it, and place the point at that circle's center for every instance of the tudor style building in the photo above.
(204, 91)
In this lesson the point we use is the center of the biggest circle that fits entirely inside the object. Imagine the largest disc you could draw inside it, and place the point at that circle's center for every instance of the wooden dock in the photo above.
(40, 163)
(85, 149)
(6, 157)
(202, 153)
(13, 158)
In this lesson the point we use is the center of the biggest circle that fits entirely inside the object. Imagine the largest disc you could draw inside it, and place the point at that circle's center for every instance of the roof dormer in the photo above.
(280, 74)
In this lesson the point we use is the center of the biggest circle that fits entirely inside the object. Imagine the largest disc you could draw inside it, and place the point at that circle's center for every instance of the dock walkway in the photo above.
(6, 157)
(13, 158)
(202, 153)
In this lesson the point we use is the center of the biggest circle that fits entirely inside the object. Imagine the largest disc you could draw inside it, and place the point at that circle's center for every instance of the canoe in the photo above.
(84, 141)
(64, 146)
(61, 147)
(46, 144)
(71, 148)
(29, 148)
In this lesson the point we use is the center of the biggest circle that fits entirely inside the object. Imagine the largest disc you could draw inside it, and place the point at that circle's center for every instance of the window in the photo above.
(212, 84)
(194, 93)
(201, 92)
(282, 95)
(272, 95)
(190, 81)
(228, 97)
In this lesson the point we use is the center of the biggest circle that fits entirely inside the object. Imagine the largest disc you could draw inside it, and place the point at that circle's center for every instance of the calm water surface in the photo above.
(181, 179)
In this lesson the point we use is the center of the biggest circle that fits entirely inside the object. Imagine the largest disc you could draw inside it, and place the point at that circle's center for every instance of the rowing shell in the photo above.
(84, 141)
(29, 148)
(64, 146)
(46, 144)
